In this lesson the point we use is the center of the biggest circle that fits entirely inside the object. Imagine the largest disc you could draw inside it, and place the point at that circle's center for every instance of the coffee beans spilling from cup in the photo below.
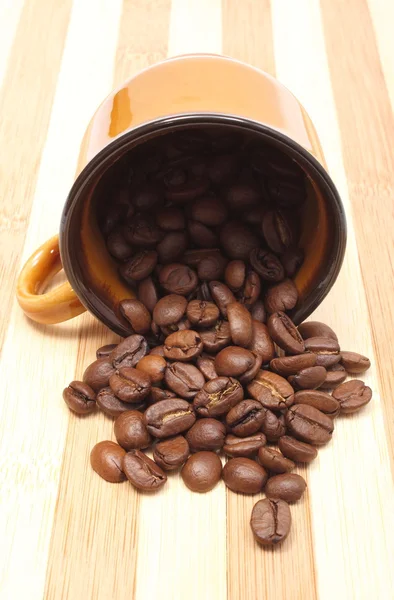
(206, 236)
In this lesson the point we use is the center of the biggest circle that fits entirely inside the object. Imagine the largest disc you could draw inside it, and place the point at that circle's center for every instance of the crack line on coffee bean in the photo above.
(178, 413)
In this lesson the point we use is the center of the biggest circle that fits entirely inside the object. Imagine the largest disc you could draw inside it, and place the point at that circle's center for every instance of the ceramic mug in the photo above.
(182, 92)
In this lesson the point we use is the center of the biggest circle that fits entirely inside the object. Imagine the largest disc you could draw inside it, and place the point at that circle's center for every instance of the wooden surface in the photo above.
(66, 534)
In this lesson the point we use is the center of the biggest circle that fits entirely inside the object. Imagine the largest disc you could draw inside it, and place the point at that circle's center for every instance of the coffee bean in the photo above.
(281, 297)
(146, 197)
(251, 290)
(147, 293)
(240, 321)
(222, 295)
(354, 362)
(309, 424)
(136, 314)
(211, 267)
(235, 274)
(320, 400)
(201, 235)
(277, 230)
(143, 232)
(170, 454)
(106, 459)
(240, 196)
(251, 373)
(218, 396)
(98, 373)
(192, 258)
(248, 446)
(207, 367)
(234, 361)
(274, 461)
(153, 366)
(292, 260)
(170, 219)
(206, 434)
(142, 472)
(254, 215)
(261, 343)
(184, 379)
(273, 427)
(209, 210)
(270, 521)
(316, 329)
(169, 417)
(352, 396)
(183, 345)
(140, 266)
(216, 338)
(237, 240)
(291, 365)
(245, 418)
(201, 313)
(117, 246)
(157, 394)
(335, 376)
(267, 265)
(80, 397)
(176, 278)
(299, 452)
(271, 390)
(129, 384)
(169, 310)
(129, 352)
(172, 247)
(284, 333)
(325, 349)
(258, 311)
(105, 351)
(110, 404)
(288, 487)
(130, 431)
(309, 378)
(244, 475)
(157, 351)
(187, 191)
(202, 471)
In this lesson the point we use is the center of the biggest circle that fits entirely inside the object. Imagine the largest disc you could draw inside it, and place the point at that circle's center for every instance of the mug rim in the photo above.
(105, 157)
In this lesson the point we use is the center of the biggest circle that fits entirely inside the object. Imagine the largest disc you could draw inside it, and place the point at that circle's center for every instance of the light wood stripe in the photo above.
(10, 11)
(382, 15)
(195, 26)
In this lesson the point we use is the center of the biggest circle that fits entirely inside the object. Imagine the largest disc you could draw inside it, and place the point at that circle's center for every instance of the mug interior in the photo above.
(93, 272)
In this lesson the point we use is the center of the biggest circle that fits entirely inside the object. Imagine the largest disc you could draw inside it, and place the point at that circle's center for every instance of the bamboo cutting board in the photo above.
(65, 533)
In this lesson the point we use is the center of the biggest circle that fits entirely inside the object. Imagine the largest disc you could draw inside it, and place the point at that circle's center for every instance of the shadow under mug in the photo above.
(182, 92)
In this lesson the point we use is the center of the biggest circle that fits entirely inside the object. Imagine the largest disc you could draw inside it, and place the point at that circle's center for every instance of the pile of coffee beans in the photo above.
(205, 231)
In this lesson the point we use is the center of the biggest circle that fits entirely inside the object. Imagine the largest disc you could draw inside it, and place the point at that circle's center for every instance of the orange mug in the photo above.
(183, 92)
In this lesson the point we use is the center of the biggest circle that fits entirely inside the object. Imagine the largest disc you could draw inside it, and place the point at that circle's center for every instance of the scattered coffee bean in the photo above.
(169, 417)
(136, 314)
(140, 266)
(271, 390)
(274, 461)
(352, 396)
(240, 321)
(202, 314)
(267, 265)
(206, 434)
(154, 366)
(184, 379)
(313, 329)
(284, 333)
(202, 471)
(318, 399)
(234, 361)
(299, 452)
(216, 338)
(354, 363)
(261, 343)
(273, 427)
(218, 396)
(291, 365)
(334, 376)
(235, 274)
(281, 297)
(129, 352)
(97, 374)
(288, 487)
(129, 384)
(309, 424)
(110, 404)
(270, 521)
(80, 397)
(245, 418)
(130, 431)
(222, 295)
(171, 454)
(147, 293)
(244, 475)
(247, 446)
(176, 278)
(106, 459)
(105, 351)
(143, 472)
(183, 345)
(169, 310)
(309, 378)
(325, 349)
(205, 363)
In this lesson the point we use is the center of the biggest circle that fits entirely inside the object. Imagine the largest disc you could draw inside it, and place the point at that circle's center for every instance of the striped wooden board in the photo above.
(66, 534)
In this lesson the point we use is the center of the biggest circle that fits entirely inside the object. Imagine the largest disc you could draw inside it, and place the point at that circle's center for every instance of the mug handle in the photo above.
(55, 306)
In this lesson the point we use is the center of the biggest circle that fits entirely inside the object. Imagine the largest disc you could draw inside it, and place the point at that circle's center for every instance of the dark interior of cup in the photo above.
(268, 158)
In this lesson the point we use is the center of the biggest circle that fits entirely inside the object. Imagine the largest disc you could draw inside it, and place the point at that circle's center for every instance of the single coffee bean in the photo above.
(284, 333)
(235, 274)
(271, 390)
(171, 247)
(169, 417)
(216, 338)
(320, 400)
(154, 366)
(211, 267)
(176, 278)
(267, 265)
(147, 293)
(146, 197)
(309, 378)
(242, 195)
(80, 397)
(222, 295)
(354, 362)
(250, 292)
(292, 260)
(117, 246)
(141, 231)
(183, 193)
(184, 379)
(205, 363)
(98, 373)
(273, 427)
(274, 461)
(237, 240)
(240, 321)
(352, 396)
(183, 345)
(258, 311)
(291, 365)
(261, 343)
(209, 210)
(206, 434)
(281, 297)
(201, 313)
(245, 418)
(326, 350)
(129, 384)
(110, 404)
(136, 314)
(140, 266)
(218, 396)
(157, 394)
(130, 431)
(170, 219)
(142, 472)
(169, 310)
(192, 258)
(248, 446)
(201, 235)
(309, 424)
(334, 377)
(105, 351)
(288, 487)
(129, 352)
(106, 459)
(299, 452)
(234, 361)
(244, 475)
(277, 230)
(171, 454)
(202, 471)
(270, 521)
(316, 329)
(157, 351)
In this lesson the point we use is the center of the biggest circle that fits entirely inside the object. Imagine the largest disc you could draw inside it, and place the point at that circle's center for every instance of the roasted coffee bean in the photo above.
(183, 345)
(320, 400)
(146, 197)
(277, 230)
(201, 235)
(140, 266)
(172, 247)
(245, 418)
(299, 452)
(281, 297)
(211, 267)
(352, 396)
(98, 373)
(222, 295)
(106, 459)
(136, 314)
(169, 417)
(171, 454)
(326, 350)
(201, 313)
(288, 487)
(285, 333)
(130, 431)
(258, 311)
(170, 219)
(169, 310)
(157, 351)
(218, 396)
(248, 446)
(147, 293)
(334, 377)
(273, 427)
(254, 215)
(209, 210)
(207, 367)
(142, 232)
(309, 378)
(237, 240)
(142, 472)
(311, 329)
(244, 475)
(267, 265)
(251, 373)
(240, 321)
(251, 290)
(242, 195)
(154, 366)
(80, 397)
(202, 471)
(157, 394)
(129, 384)
(181, 325)
(184, 379)
(270, 521)
(271, 390)
(261, 343)
(274, 461)
(234, 361)
(309, 424)
(206, 434)
(105, 351)
(235, 275)
(176, 278)
(354, 362)
(292, 260)
(129, 352)
(117, 246)
(110, 404)
(192, 258)
(217, 337)
(187, 191)
(291, 365)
